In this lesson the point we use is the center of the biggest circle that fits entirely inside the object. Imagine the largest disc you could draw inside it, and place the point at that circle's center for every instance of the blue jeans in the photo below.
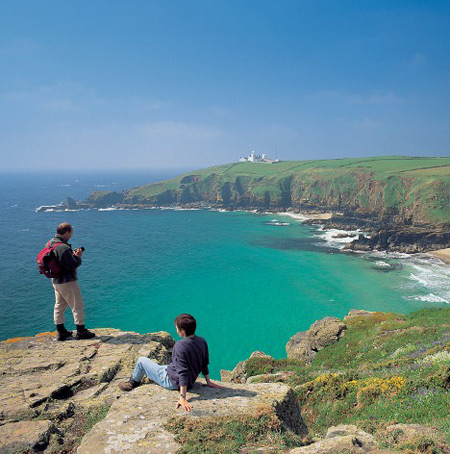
(154, 372)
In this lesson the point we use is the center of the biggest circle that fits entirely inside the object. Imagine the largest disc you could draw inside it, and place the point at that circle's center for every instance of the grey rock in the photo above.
(304, 345)
(404, 434)
(239, 374)
(40, 377)
(364, 439)
(341, 439)
(299, 348)
(135, 423)
(325, 332)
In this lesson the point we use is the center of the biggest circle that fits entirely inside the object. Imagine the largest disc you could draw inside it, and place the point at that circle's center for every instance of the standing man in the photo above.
(189, 358)
(67, 290)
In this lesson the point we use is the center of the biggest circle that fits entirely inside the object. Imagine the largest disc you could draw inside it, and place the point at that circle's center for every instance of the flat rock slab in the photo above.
(24, 436)
(135, 422)
(38, 371)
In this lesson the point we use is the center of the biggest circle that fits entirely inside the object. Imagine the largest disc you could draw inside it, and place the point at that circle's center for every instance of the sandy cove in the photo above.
(442, 254)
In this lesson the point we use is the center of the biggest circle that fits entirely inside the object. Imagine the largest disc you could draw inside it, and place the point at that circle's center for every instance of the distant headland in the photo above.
(398, 203)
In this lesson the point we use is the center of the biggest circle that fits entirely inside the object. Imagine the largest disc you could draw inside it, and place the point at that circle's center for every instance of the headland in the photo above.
(397, 203)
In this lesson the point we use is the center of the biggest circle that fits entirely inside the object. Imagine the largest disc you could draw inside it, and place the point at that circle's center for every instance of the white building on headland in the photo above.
(252, 157)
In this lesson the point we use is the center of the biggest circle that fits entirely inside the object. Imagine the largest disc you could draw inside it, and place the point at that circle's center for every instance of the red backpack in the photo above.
(47, 262)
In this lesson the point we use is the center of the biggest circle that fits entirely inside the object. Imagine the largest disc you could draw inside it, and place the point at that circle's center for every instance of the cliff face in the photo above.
(400, 190)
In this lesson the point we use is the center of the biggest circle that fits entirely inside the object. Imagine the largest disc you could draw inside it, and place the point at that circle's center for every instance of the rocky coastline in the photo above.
(375, 234)
(62, 397)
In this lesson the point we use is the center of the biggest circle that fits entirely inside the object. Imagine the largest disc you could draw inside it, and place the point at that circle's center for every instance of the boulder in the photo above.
(304, 345)
(341, 439)
(325, 332)
(299, 348)
(136, 422)
(403, 435)
(240, 374)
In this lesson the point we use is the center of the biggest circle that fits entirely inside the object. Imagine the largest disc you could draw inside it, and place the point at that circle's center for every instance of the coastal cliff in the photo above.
(407, 197)
(397, 189)
(372, 382)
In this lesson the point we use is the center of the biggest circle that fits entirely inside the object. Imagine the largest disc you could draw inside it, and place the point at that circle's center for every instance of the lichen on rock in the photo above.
(304, 345)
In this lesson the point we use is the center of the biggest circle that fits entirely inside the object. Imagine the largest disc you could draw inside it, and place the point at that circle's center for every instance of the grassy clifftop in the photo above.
(404, 189)
(388, 370)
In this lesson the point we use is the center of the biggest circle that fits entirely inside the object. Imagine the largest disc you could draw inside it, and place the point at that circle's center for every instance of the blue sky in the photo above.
(171, 84)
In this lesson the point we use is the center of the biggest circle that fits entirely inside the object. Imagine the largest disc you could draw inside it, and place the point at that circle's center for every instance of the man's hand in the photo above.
(78, 252)
(211, 384)
(185, 404)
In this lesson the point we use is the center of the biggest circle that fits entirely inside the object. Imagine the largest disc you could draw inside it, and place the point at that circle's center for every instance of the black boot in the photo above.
(63, 334)
(83, 333)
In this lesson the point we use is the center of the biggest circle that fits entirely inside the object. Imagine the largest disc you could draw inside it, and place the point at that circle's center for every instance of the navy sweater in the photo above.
(189, 357)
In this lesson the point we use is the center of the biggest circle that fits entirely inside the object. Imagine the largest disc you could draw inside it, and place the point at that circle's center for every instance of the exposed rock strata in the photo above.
(61, 381)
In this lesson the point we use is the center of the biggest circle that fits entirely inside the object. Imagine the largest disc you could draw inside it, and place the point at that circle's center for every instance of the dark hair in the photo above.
(186, 322)
(63, 228)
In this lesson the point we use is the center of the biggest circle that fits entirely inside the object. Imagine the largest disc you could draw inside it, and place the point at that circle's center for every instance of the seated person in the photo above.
(189, 358)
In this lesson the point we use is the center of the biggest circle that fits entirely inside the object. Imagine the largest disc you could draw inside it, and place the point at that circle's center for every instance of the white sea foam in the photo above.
(429, 279)
(330, 240)
(296, 216)
(382, 264)
(430, 298)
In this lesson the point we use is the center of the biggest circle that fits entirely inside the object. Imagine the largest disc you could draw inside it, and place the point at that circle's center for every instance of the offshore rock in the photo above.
(136, 422)
(304, 345)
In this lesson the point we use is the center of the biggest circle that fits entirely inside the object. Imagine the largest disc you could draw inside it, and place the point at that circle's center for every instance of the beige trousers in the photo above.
(68, 294)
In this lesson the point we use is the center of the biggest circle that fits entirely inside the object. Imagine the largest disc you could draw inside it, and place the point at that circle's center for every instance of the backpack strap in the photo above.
(54, 245)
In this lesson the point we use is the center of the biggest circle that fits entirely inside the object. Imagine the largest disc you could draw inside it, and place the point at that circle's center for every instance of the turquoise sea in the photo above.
(250, 285)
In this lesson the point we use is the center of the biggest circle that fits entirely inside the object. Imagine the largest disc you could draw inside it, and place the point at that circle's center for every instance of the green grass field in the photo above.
(387, 368)
(413, 188)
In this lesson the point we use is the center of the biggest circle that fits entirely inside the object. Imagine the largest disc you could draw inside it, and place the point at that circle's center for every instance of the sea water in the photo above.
(250, 280)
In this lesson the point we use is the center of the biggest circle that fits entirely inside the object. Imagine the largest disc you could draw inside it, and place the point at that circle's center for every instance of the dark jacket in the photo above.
(189, 357)
(69, 262)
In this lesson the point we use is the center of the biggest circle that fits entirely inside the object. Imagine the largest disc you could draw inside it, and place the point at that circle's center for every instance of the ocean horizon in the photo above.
(250, 281)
